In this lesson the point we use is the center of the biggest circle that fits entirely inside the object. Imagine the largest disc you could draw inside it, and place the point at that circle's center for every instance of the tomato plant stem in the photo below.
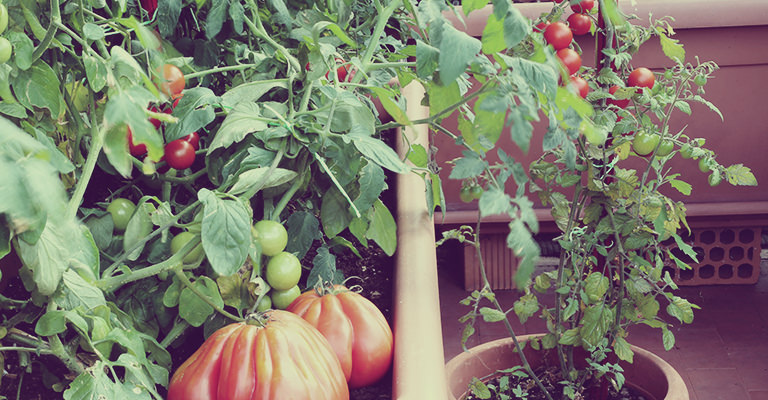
(85, 177)
(258, 29)
(215, 70)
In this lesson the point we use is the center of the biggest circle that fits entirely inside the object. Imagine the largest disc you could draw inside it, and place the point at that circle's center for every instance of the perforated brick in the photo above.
(725, 256)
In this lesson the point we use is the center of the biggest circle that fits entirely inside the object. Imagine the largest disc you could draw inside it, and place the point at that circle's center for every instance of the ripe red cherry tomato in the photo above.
(641, 77)
(171, 80)
(136, 150)
(618, 103)
(558, 35)
(193, 139)
(179, 154)
(581, 86)
(570, 59)
(583, 6)
(176, 99)
(580, 24)
(156, 122)
(541, 26)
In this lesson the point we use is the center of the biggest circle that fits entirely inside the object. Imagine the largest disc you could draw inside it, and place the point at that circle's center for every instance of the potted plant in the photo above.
(605, 178)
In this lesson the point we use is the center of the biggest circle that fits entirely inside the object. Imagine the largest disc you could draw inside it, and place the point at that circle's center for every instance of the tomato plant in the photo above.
(262, 358)
(121, 210)
(558, 35)
(582, 6)
(283, 271)
(172, 80)
(571, 60)
(5, 50)
(356, 330)
(272, 237)
(645, 143)
(179, 154)
(580, 24)
(641, 77)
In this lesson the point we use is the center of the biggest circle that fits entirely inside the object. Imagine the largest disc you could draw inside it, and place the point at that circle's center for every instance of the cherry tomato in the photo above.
(172, 80)
(281, 299)
(581, 86)
(121, 211)
(179, 154)
(193, 139)
(704, 166)
(343, 71)
(3, 18)
(641, 77)
(686, 151)
(665, 148)
(541, 26)
(714, 179)
(465, 194)
(183, 238)
(582, 6)
(644, 143)
(618, 103)
(476, 192)
(271, 235)
(570, 59)
(156, 122)
(136, 150)
(283, 271)
(264, 304)
(700, 80)
(5, 50)
(558, 35)
(580, 24)
(176, 98)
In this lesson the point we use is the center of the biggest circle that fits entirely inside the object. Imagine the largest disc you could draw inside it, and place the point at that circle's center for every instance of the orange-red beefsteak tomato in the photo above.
(355, 328)
(282, 357)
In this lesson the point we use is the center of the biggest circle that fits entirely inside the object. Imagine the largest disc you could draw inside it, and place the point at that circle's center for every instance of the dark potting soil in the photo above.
(550, 379)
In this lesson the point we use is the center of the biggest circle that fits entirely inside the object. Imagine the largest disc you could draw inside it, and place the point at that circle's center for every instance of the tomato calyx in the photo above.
(260, 319)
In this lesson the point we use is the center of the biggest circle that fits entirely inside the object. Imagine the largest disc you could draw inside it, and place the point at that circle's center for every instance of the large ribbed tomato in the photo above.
(355, 328)
(282, 357)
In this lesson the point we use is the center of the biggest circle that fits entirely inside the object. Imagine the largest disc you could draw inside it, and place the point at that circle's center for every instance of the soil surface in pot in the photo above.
(509, 386)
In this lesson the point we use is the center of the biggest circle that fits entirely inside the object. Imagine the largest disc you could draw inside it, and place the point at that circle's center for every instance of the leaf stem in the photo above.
(188, 284)
(214, 70)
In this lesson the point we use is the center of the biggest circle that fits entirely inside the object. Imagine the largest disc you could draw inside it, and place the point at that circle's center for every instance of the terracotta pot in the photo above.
(648, 373)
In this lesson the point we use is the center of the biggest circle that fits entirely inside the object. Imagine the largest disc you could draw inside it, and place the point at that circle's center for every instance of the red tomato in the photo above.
(581, 86)
(176, 99)
(641, 77)
(541, 26)
(570, 59)
(179, 154)
(135, 149)
(343, 71)
(193, 139)
(171, 80)
(282, 357)
(583, 6)
(558, 35)
(580, 24)
(355, 328)
(156, 122)
(618, 103)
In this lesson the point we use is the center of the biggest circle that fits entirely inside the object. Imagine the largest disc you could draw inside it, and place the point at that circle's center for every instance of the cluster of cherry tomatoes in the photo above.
(180, 153)
(283, 269)
(559, 35)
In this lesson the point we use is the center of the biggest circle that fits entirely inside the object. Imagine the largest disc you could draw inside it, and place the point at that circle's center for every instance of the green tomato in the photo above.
(271, 235)
(281, 299)
(5, 50)
(465, 194)
(194, 255)
(700, 80)
(714, 179)
(686, 151)
(476, 192)
(703, 166)
(121, 210)
(644, 143)
(264, 304)
(283, 271)
(665, 148)
(3, 18)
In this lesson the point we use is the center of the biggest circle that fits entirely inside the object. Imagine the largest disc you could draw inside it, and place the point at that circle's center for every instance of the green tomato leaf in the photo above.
(23, 47)
(681, 309)
(195, 111)
(226, 232)
(526, 306)
(194, 309)
(596, 323)
(303, 229)
(372, 182)
(469, 166)
(77, 292)
(323, 269)
(244, 119)
(51, 323)
(38, 86)
(596, 286)
(94, 383)
(500, 34)
(168, 12)
(216, 16)
(383, 229)
(738, 174)
(672, 49)
(623, 350)
(256, 179)
(378, 152)
(494, 202)
(92, 31)
(492, 314)
(667, 338)
(334, 212)
(681, 186)
(457, 50)
(139, 227)
(95, 71)
(426, 59)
